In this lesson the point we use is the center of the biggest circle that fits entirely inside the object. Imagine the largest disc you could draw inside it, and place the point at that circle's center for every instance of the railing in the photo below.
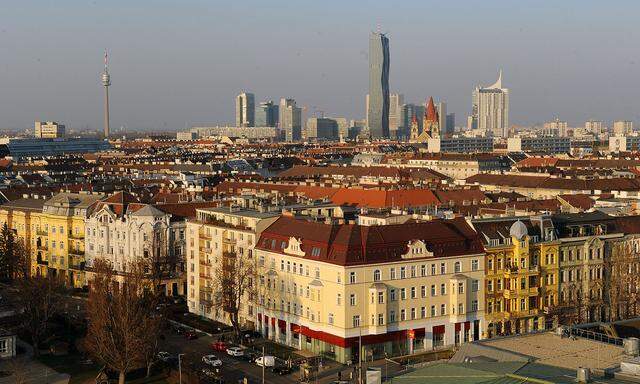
(76, 252)
(586, 334)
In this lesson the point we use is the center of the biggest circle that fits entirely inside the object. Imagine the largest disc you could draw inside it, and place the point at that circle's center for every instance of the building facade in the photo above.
(123, 232)
(266, 114)
(48, 130)
(290, 120)
(329, 288)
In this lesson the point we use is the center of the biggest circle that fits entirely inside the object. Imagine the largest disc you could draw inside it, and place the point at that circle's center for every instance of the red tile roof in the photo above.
(350, 244)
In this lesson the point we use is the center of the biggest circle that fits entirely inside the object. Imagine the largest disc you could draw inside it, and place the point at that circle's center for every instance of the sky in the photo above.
(180, 63)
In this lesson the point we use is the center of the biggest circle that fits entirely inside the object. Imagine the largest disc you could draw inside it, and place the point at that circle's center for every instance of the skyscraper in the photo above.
(490, 112)
(290, 119)
(396, 101)
(266, 114)
(106, 82)
(622, 127)
(378, 106)
(245, 108)
(441, 107)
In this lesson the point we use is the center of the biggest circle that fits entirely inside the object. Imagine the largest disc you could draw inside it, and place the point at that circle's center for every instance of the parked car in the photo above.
(191, 335)
(212, 360)
(164, 356)
(220, 346)
(250, 334)
(249, 356)
(235, 351)
(267, 361)
(283, 370)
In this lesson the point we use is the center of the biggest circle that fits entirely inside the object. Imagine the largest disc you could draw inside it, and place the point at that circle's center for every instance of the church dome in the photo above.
(518, 230)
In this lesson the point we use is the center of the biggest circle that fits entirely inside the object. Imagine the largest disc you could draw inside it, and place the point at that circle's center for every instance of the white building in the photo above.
(556, 128)
(245, 110)
(122, 232)
(48, 130)
(396, 101)
(491, 109)
(622, 128)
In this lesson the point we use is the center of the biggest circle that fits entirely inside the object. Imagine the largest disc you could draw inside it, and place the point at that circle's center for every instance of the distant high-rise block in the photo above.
(245, 109)
(594, 126)
(322, 128)
(556, 128)
(622, 127)
(378, 106)
(451, 122)
(48, 130)
(266, 114)
(490, 111)
(290, 119)
(396, 101)
(441, 107)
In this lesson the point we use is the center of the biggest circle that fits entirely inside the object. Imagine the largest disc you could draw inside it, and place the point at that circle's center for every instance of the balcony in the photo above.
(41, 232)
(76, 252)
(534, 291)
(205, 250)
(76, 236)
(205, 262)
(203, 235)
(77, 267)
(205, 276)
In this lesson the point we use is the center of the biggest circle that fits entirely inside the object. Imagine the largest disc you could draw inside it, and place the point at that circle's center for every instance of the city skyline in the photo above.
(159, 88)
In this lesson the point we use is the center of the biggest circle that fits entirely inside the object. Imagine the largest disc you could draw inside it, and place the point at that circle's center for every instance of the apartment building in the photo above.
(58, 236)
(122, 231)
(521, 273)
(393, 289)
(211, 236)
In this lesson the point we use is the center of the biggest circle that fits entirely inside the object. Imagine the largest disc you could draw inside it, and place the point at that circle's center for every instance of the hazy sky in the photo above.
(181, 62)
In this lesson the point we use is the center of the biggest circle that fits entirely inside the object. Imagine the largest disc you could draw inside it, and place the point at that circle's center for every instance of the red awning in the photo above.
(282, 324)
(458, 326)
(419, 332)
(438, 330)
(294, 327)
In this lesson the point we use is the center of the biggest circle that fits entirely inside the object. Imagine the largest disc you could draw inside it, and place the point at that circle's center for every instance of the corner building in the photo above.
(393, 289)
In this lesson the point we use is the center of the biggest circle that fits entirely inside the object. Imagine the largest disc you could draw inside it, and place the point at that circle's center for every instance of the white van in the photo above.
(267, 361)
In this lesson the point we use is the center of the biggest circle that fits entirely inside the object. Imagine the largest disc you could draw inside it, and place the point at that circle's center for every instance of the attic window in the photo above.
(315, 251)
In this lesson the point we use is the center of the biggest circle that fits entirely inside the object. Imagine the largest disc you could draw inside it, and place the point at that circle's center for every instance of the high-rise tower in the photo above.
(245, 109)
(106, 82)
(378, 106)
(490, 111)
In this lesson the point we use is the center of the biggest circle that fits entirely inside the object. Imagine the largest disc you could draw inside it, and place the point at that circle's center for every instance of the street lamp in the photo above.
(180, 367)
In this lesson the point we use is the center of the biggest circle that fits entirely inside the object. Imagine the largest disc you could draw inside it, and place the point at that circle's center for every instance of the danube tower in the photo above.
(106, 81)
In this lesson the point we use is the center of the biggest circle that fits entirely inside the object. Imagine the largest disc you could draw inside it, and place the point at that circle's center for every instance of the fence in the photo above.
(586, 334)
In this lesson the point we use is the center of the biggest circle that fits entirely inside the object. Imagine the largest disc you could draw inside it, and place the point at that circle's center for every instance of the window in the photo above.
(392, 316)
(356, 320)
(331, 318)
(460, 288)
(433, 290)
(352, 277)
(282, 265)
(352, 299)
(433, 310)
(413, 313)
(460, 308)
(403, 294)
(376, 275)
(423, 291)
(457, 267)
(475, 285)
(443, 309)
(443, 268)
(392, 295)
(423, 312)
(523, 305)
(423, 270)
(403, 315)
(413, 292)
(392, 273)
(403, 272)
(339, 299)
(315, 251)
(474, 305)
(433, 269)
(380, 297)
(413, 271)
(443, 289)
(490, 264)
(380, 319)
(3, 346)
(474, 265)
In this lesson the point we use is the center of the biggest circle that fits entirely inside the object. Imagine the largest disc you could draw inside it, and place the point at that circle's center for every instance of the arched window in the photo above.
(376, 275)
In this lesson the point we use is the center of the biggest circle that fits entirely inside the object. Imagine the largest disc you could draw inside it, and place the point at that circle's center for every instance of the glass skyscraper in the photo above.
(378, 108)
(267, 114)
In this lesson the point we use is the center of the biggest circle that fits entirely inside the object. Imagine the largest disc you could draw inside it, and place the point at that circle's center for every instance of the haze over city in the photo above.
(182, 64)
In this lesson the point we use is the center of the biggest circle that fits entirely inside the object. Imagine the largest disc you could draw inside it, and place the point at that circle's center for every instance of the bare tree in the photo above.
(120, 316)
(38, 299)
(622, 267)
(233, 284)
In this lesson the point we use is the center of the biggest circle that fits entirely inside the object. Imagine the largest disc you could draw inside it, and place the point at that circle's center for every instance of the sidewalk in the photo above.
(27, 370)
